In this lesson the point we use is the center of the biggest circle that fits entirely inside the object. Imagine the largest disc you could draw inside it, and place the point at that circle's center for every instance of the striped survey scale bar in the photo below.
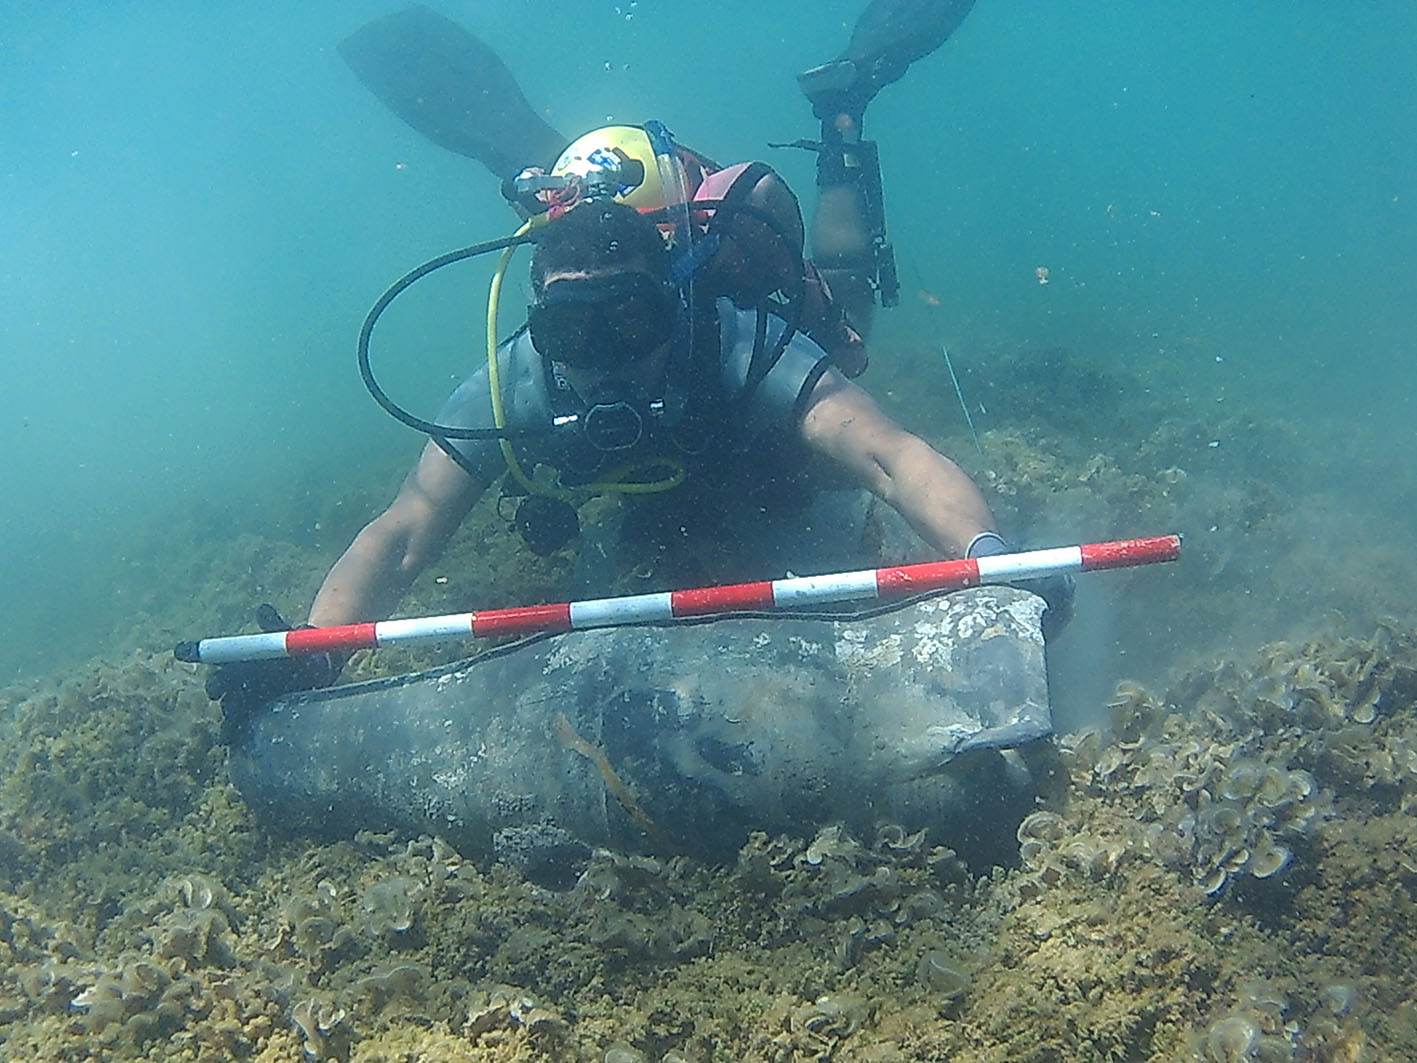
(896, 581)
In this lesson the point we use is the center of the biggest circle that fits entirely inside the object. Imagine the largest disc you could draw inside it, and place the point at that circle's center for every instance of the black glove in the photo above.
(246, 686)
(1055, 590)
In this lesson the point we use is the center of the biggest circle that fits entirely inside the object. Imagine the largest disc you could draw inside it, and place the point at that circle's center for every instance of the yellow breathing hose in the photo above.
(615, 484)
(494, 375)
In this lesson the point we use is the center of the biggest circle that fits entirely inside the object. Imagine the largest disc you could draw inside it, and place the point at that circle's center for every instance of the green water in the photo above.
(198, 205)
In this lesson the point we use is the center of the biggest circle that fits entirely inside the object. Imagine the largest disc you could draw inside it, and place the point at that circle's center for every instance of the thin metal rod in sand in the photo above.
(949, 362)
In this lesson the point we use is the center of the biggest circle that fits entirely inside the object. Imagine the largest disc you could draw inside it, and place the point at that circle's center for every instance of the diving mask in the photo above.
(601, 323)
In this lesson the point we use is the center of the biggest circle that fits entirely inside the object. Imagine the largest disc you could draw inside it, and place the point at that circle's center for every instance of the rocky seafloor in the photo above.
(1221, 869)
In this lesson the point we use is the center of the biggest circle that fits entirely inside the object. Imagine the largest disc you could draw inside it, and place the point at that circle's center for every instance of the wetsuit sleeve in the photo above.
(779, 401)
(470, 406)
(524, 399)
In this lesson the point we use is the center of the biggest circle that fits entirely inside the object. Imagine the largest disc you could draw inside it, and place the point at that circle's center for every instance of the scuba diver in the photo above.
(680, 352)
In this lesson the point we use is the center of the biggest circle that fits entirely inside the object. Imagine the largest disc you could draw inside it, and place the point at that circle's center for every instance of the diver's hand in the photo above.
(247, 686)
(1056, 590)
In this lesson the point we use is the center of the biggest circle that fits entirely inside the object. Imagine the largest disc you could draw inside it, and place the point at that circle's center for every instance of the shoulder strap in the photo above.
(742, 186)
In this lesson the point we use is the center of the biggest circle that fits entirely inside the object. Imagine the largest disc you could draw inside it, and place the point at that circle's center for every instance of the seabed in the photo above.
(1221, 866)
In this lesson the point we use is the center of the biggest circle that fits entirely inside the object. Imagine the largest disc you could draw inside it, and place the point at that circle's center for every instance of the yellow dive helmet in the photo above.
(637, 165)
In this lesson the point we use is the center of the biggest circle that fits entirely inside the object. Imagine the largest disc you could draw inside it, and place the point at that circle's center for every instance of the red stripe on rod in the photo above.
(523, 620)
(327, 639)
(705, 601)
(895, 581)
(930, 576)
(1126, 552)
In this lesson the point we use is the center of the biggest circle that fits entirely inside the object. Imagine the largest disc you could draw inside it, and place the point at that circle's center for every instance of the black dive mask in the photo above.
(602, 323)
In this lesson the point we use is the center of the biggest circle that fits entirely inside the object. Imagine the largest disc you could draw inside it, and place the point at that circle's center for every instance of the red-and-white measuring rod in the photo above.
(794, 592)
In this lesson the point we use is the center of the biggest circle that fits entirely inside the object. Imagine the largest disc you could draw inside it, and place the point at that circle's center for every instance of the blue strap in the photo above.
(661, 140)
(686, 265)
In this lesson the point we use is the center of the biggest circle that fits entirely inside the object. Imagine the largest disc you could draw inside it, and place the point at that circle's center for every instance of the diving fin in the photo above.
(452, 88)
(887, 38)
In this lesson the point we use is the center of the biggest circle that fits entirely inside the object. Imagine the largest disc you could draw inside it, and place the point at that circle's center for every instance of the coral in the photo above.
(505, 1008)
(389, 905)
(324, 1031)
(1225, 870)
(384, 985)
(943, 976)
(1101, 943)
(145, 998)
(1206, 804)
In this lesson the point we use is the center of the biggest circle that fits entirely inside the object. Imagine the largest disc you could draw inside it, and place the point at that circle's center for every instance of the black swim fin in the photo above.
(452, 88)
(887, 38)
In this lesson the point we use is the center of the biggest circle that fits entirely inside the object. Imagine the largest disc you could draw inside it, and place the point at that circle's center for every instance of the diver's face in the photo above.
(604, 323)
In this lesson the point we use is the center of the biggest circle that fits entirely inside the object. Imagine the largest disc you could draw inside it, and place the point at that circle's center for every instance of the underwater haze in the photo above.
(1168, 249)
(198, 208)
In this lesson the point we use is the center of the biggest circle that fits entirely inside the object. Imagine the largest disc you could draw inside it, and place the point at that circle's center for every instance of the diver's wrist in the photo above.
(987, 544)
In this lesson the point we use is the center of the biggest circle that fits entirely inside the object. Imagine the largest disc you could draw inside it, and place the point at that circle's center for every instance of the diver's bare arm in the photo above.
(370, 577)
(931, 492)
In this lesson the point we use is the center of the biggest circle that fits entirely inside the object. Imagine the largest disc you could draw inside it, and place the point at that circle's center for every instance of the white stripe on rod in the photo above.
(636, 609)
(836, 587)
(1005, 567)
(454, 625)
(264, 647)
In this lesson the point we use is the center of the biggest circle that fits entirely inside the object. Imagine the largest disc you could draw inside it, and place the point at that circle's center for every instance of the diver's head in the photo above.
(638, 165)
(599, 278)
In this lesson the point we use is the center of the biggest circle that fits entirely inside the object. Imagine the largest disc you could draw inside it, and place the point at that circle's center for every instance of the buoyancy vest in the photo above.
(752, 263)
